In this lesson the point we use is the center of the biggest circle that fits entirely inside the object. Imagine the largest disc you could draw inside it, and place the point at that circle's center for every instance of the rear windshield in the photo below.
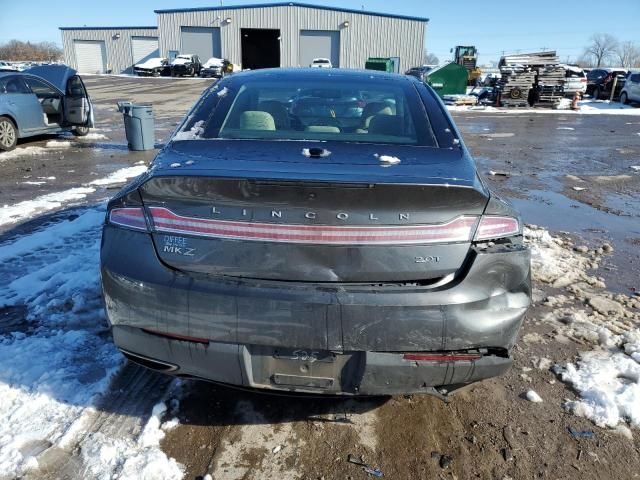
(324, 109)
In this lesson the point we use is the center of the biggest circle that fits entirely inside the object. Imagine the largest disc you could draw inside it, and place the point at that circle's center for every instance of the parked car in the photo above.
(316, 258)
(186, 64)
(419, 72)
(575, 80)
(42, 100)
(153, 67)
(485, 95)
(321, 63)
(631, 89)
(7, 67)
(215, 67)
(600, 81)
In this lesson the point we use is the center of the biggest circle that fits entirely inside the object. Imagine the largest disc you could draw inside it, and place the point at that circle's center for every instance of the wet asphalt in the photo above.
(539, 159)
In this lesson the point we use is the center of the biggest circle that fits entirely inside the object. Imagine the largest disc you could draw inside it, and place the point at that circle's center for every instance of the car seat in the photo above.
(278, 112)
(385, 125)
(370, 110)
(256, 120)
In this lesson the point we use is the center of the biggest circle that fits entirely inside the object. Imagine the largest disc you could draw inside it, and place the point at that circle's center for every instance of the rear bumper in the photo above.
(262, 334)
(211, 72)
(347, 373)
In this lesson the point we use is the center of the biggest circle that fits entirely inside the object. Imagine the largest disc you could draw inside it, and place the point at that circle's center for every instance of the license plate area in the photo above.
(304, 369)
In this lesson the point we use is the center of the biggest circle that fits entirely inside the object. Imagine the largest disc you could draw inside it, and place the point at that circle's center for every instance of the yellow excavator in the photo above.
(467, 56)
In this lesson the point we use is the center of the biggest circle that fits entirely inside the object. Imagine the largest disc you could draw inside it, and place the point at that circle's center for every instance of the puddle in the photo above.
(627, 205)
(559, 213)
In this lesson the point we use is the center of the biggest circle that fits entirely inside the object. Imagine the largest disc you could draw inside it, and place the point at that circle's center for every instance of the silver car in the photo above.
(631, 90)
(42, 100)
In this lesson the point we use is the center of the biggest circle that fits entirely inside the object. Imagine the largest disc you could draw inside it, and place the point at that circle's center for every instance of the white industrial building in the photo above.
(255, 36)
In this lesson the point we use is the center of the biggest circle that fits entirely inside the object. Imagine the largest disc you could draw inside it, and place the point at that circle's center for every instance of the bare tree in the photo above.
(585, 61)
(17, 50)
(430, 58)
(602, 47)
(628, 54)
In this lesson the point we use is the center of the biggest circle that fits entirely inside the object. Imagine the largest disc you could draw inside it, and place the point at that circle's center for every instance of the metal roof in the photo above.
(292, 4)
(108, 28)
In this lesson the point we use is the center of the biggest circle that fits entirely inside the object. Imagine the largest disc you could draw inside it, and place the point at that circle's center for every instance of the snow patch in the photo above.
(497, 135)
(223, 92)
(387, 160)
(58, 144)
(585, 107)
(24, 152)
(23, 210)
(58, 359)
(94, 136)
(120, 176)
(609, 384)
(39, 205)
(55, 365)
(607, 377)
(532, 396)
(193, 134)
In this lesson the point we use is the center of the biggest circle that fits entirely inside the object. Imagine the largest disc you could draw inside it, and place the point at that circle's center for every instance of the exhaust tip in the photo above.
(150, 363)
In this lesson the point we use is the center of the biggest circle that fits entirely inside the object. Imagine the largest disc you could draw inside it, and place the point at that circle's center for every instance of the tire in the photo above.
(596, 93)
(8, 134)
(155, 73)
(624, 98)
(80, 131)
(173, 74)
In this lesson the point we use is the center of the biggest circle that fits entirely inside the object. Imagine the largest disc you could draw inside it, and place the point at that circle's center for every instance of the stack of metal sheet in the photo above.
(551, 84)
(515, 85)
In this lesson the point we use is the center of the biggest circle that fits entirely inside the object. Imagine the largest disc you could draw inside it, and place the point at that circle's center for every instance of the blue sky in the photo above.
(564, 25)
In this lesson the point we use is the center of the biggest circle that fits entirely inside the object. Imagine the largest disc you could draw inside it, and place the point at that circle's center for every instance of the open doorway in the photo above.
(260, 48)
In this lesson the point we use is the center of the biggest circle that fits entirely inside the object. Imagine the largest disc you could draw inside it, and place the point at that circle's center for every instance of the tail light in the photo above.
(492, 227)
(457, 230)
(128, 217)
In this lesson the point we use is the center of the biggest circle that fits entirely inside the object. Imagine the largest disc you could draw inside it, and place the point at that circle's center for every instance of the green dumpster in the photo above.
(448, 79)
(382, 64)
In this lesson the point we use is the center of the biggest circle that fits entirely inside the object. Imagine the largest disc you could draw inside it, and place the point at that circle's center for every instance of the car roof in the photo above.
(293, 74)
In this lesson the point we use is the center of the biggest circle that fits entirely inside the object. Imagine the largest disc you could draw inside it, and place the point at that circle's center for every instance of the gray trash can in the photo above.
(139, 125)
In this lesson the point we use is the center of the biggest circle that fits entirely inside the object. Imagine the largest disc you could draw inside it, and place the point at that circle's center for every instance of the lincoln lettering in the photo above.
(309, 215)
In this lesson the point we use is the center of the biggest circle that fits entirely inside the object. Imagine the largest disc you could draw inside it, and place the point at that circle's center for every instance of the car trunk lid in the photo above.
(264, 210)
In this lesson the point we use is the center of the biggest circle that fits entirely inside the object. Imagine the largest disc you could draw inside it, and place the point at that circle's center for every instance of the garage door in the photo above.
(201, 41)
(319, 44)
(91, 56)
(144, 48)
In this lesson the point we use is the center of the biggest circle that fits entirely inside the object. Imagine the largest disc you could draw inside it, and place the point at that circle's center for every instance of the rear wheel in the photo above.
(624, 99)
(8, 134)
(80, 131)
(596, 93)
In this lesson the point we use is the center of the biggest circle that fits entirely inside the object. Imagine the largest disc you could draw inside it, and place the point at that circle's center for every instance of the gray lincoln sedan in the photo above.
(316, 230)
